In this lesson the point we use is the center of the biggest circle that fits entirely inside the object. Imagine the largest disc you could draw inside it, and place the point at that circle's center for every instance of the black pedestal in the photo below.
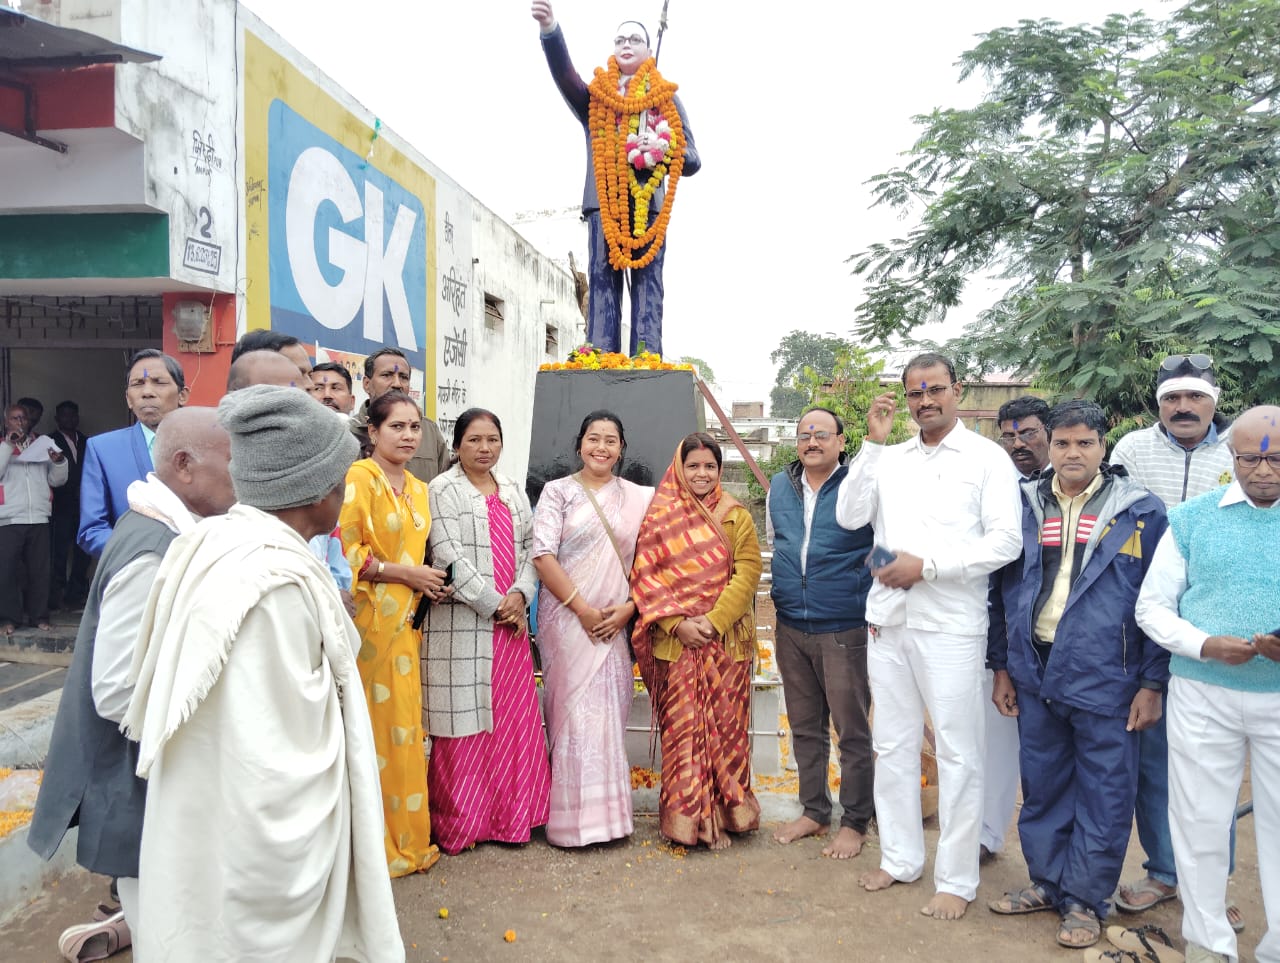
(657, 409)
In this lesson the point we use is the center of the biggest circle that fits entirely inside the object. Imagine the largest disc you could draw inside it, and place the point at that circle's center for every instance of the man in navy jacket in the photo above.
(1072, 665)
(154, 387)
(819, 590)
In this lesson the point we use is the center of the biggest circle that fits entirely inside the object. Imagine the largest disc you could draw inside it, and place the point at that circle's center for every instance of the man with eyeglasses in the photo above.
(819, 590)
(1024, 436)
(946, 506)
(604, 324)
(1181, 456)
(1211, 599)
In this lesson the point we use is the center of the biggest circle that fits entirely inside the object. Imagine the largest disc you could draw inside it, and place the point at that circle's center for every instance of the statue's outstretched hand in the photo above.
(542, 13)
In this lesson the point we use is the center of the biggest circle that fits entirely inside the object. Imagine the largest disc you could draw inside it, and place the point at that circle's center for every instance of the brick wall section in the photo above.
(37, 321)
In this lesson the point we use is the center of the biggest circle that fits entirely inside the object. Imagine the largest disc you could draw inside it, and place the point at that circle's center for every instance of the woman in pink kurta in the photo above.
(488, 777)
(583, 610)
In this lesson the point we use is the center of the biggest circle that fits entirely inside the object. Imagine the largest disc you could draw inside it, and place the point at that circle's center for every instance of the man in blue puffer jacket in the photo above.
(1073, 666)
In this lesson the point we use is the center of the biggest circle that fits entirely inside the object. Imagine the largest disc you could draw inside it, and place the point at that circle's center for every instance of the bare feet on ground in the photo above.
(846, 845)
(875, 880)
(723, 841)
(798, 829)
(945, 906)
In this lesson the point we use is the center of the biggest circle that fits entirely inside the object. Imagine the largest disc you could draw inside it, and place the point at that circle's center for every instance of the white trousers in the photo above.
(999, 772)
(127, 890)
(1210, 730)
(911, 671)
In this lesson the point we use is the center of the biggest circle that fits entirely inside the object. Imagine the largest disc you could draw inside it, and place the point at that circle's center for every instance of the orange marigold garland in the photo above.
(612, 117)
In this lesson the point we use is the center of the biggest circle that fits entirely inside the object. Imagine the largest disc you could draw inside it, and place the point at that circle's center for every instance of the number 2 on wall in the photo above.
(205, 222)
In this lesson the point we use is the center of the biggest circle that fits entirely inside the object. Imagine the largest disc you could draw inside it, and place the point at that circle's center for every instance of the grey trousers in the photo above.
(824, 681)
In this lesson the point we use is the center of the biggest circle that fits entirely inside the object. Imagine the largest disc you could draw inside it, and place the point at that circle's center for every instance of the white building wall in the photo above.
(198, 118)
(185, 109)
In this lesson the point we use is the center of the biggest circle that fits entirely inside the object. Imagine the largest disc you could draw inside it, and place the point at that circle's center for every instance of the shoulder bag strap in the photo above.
(626, 570)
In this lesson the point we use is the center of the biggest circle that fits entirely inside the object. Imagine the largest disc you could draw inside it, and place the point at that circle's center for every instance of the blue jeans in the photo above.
(1152, 810)
(604, 321)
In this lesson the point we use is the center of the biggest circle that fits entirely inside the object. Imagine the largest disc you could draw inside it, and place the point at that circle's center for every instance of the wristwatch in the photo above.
(929, 571)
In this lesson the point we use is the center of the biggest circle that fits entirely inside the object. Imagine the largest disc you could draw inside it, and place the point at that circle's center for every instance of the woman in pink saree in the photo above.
(584, 539)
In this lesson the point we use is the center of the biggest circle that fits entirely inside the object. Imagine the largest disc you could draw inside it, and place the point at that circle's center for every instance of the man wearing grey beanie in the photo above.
(248, 701)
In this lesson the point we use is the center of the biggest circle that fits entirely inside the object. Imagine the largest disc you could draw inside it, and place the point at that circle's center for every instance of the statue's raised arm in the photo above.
(639, 144)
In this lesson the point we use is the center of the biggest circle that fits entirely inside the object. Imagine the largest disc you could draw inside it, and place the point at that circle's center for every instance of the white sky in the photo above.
(793, 107)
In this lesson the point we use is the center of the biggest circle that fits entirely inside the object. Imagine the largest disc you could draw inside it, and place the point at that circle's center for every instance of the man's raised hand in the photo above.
(880, 417)
(542, 13)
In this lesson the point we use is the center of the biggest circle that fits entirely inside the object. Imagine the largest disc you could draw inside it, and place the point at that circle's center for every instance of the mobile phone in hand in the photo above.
(448, 575)
(879, 557)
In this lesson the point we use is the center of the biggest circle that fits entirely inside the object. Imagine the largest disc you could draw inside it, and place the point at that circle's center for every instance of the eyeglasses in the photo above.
(1176, 362)
(635, 40)
(1025, 436)
(1253, 461)
(936, 392)
(814, 436)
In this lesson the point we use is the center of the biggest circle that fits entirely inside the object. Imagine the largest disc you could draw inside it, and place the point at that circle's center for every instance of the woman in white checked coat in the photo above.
(489, 777)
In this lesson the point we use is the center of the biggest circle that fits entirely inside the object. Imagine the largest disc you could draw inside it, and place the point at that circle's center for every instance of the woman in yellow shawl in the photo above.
(384, 523)
(694, 582)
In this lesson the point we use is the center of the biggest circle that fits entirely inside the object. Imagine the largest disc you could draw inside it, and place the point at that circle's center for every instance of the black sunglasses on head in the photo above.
(1176, 362)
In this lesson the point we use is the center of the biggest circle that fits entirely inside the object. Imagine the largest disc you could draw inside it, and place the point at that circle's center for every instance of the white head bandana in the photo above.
(1187, 383)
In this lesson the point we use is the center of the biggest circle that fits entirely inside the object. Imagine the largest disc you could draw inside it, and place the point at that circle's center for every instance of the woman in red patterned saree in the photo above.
(694, 583)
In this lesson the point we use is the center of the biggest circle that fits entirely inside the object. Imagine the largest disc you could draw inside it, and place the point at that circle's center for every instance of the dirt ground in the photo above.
(640, 899)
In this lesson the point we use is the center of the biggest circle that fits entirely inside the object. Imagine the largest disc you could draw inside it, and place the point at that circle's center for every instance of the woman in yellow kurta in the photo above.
(384, 523)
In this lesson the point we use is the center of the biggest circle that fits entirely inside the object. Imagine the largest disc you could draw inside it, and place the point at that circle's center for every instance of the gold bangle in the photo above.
(572, 595)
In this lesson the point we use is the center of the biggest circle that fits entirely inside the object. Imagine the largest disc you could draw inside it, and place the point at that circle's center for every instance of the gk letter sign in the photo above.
(348, 245)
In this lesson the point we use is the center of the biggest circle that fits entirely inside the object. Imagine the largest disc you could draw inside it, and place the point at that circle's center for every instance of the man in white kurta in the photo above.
(263, 831)
(946, 505)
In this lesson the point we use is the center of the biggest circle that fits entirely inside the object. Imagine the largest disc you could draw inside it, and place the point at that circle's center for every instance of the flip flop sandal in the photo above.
(95, 941)
(1029, 899)
(1078, 918)
(1146, 885)
(1112, 956)
(1149, 940)
(105, 911)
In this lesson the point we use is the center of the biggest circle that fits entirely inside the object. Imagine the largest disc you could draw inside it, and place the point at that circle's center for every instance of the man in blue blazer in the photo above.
(155, 387)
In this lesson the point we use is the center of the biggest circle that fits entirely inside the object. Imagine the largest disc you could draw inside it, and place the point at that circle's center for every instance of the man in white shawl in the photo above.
(263, 836)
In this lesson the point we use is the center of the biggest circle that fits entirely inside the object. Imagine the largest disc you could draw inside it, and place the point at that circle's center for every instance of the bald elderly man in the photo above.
(1211, 599)
(89, 778)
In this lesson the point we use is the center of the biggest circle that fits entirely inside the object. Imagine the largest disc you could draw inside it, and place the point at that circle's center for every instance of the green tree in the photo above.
(1122, 179)
(796, 352)
(703, 369)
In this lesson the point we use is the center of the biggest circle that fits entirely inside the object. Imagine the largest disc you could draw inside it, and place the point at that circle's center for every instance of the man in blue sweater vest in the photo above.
(1073, 668)
(819, 590)
(1211, 598)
